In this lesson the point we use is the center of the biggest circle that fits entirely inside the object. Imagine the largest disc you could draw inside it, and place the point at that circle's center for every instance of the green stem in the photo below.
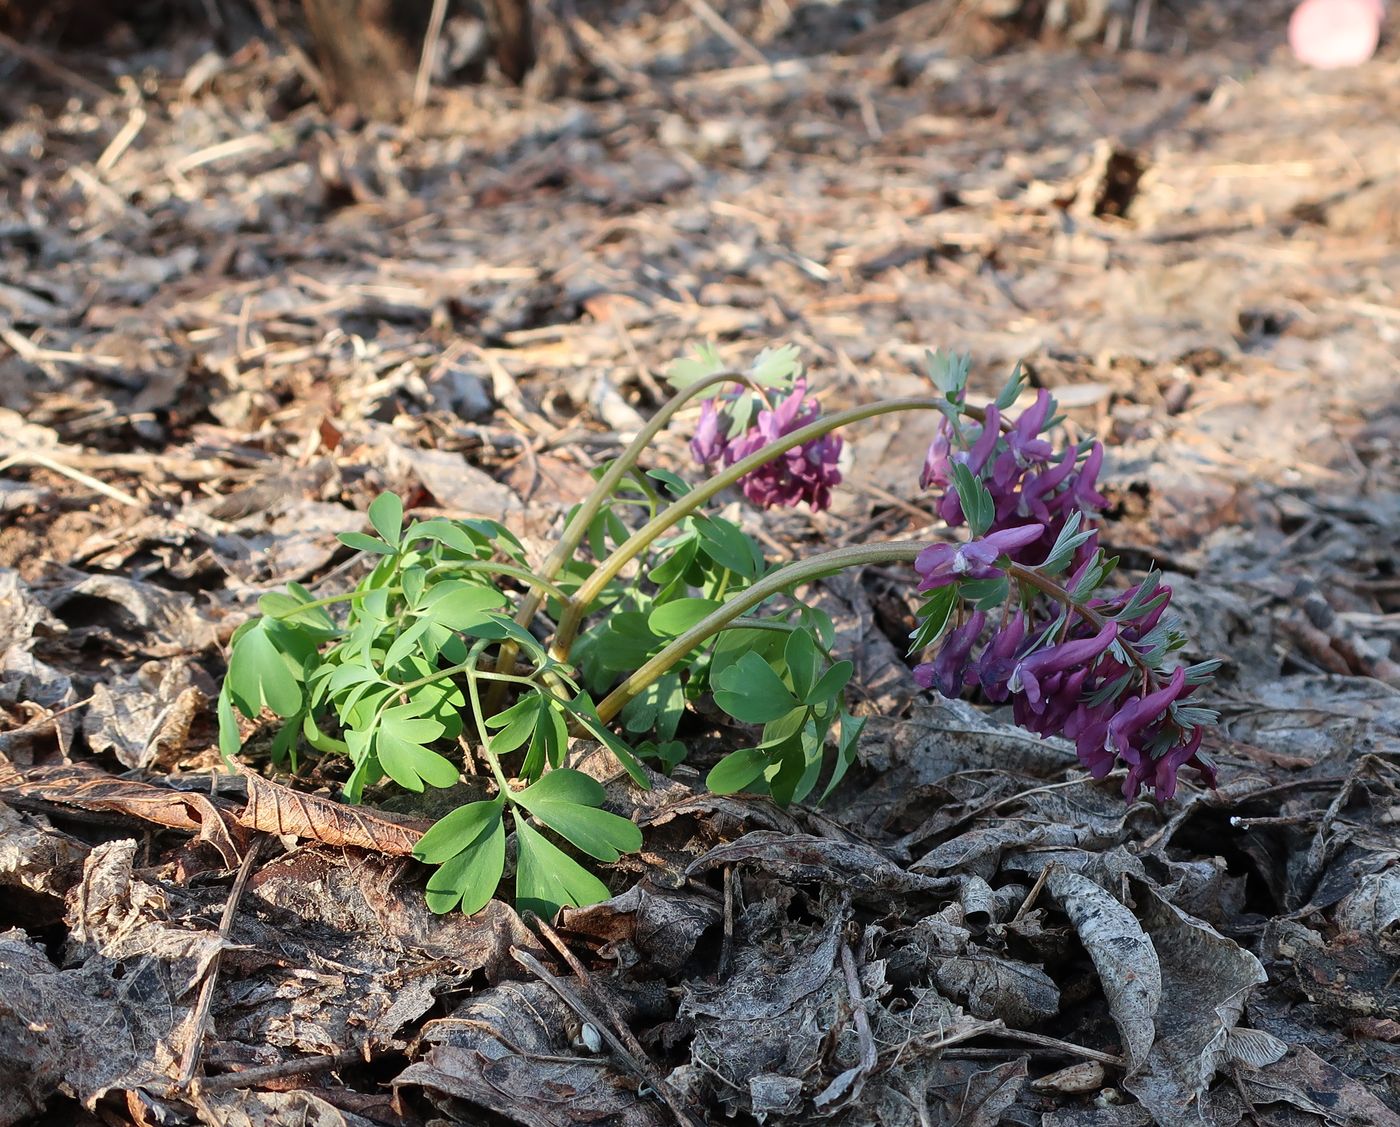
(481, 734)
(800, 571)
(577, 528)
(578, 605)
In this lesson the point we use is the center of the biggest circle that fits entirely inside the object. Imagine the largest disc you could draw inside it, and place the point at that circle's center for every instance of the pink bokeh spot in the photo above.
(1329, 34)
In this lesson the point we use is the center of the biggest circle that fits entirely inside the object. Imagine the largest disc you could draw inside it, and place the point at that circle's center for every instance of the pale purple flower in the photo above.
(941, 564)
(804, 473)
(709, 444)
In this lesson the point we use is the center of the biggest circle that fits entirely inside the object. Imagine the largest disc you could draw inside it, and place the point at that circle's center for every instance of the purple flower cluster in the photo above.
(1089, 667)
(805, 473)
(1028, 484)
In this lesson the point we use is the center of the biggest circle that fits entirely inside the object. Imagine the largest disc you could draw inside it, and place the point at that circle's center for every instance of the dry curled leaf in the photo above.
(275, 809)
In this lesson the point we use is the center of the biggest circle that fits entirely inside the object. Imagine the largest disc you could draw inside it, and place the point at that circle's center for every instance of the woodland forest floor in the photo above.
(229, 319)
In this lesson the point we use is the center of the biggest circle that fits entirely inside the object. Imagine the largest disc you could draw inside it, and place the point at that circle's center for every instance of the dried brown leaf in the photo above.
(88, 789)
(275, 809)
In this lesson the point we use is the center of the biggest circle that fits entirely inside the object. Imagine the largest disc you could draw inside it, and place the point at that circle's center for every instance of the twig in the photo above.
(194, 1049)
(637, 1062)
(845, 1088)
(423, 80)
(717, 23)
(41, 62)
(122, 141)
(33, 457)
(726, 946)
(624, 1030)
(252, 1077)
(1054, 1043)
(1032, 894)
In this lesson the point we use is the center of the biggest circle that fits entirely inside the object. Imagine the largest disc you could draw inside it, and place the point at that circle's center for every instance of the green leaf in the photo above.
(737, 770)
(443, 532)
(567, 801)
(933, 616)
(705, 362)
(726, 544)
(547, 878)
(548, 743)
(404, 644)
(751, 692)
(676, 485)
(229, 741)
(832, 683)
(948, 371)
(364, 543)
(800, 655)
(386, 514)
(452, 833)
(846, 749)
(470, 875)
(399, 743)
(516, 723)
(675, 618)
(261, 674)
(795, 768)
(777, 367)
(986, 594)
(583, 708)
(625, 641)
(1013, 388)
(459, 605)
(977, 504)
(671, 754)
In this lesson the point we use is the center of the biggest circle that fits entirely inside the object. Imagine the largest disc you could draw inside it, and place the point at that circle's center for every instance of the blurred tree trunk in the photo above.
(513, 32)
(364, 57)
(369, 49)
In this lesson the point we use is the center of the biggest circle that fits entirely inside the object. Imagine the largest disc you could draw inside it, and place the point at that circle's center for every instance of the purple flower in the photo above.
(1018, 468)
(999, 658)
(949, 672)
(1060, 658)
(804, 473)
(1140, 712)
(941, 564)
(708, 445)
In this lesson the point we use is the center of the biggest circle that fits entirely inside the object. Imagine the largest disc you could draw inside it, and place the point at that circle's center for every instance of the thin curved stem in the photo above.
(640, 540)
(1031, 577)
(577, 528)
(801, 571)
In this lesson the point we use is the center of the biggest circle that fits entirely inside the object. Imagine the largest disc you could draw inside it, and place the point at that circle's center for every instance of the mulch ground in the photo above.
(228, 319)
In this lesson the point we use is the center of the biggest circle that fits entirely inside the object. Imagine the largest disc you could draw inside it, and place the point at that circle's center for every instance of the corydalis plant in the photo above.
(1073, 658)
(456, 650)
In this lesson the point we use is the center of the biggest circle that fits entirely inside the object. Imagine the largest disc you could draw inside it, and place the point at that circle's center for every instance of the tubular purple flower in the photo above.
(1164, 769)
(941, 564)
(999, 658)
(1088, 728)
(949, 672)
(986, 444)
(1083, 492)
(1036, 487)
(1058, 659)
(1023, 447)
(707, 445)
(1139, 713)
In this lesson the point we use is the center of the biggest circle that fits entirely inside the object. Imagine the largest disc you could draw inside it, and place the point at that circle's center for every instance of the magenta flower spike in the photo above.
(806, 473)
